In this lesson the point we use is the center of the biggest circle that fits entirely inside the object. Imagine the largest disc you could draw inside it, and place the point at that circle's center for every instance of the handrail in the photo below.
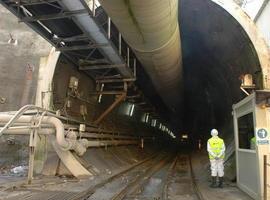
(18, 114)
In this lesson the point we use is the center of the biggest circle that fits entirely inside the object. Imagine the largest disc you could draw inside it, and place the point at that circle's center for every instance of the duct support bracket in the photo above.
(117, 101)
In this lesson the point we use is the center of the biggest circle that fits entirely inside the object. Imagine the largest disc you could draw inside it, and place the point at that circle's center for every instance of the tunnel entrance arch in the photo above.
(254, 35)
(220, 44)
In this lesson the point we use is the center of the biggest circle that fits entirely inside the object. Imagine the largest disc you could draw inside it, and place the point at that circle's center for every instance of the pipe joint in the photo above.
(80, 146)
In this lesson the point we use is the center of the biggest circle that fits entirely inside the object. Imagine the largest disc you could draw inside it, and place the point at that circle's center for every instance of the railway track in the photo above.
(88, 193)
(159, 177)
(136, 189)
(181, 171)
(138, 184)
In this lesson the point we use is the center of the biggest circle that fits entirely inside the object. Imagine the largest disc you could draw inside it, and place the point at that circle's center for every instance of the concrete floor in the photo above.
(202, 174)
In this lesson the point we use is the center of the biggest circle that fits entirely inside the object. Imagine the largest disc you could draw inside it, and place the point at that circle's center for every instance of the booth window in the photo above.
(245, 131)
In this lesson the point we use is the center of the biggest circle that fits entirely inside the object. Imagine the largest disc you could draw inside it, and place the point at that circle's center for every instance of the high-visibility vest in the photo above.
(216, 145)
(253, 142)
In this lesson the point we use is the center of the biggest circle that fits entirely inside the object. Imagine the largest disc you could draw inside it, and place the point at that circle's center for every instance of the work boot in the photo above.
(213, 183)
(220, 184)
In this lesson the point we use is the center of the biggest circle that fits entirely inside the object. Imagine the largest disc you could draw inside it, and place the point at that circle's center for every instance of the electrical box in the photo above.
(82, 128)
(83, 110)
(73, 83)
(247, 80)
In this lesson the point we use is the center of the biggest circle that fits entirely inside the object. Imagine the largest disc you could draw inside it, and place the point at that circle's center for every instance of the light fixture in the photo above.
(131, 110)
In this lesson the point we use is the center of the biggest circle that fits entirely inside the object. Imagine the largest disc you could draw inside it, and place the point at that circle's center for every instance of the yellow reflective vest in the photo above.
(216, 146)
(253, 142)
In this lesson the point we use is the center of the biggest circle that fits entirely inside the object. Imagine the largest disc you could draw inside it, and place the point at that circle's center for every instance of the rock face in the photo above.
(21, 49)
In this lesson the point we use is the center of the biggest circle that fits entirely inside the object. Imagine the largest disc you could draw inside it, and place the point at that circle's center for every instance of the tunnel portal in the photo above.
(127, 96)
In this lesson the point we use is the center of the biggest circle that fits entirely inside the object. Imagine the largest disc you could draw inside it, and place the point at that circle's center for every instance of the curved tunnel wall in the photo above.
(220, 44)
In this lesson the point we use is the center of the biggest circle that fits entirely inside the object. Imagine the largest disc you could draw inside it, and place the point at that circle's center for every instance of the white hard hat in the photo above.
(214, 132)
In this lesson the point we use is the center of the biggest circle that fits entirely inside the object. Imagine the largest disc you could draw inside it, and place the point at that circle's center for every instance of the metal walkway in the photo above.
(85, 36)
(89, 40)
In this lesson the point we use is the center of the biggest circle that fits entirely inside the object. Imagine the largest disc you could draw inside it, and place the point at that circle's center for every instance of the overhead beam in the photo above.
(85, 62)
(31, 2)
(134, 96)
(61, 15)
(259, 13)
(94, 67)
(107, 93)
(80, 47)
(116, 76)
(141, 103)
(109, 109)
(119, 80)
(72, 39)
(115, 86)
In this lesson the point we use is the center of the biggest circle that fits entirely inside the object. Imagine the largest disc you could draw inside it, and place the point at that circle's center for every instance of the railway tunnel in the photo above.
(125, 80)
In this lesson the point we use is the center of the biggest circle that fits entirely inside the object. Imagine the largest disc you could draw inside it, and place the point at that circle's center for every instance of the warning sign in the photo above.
(262, 136)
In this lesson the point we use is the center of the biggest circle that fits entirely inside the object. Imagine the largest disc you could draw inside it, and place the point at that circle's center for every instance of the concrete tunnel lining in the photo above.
(245, 33)
(211, 84)
(224, 44)
(219, 43)
(217, 49)
(213, 59)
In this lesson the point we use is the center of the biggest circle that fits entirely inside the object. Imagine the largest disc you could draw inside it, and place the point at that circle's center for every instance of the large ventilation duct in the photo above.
(151, 29)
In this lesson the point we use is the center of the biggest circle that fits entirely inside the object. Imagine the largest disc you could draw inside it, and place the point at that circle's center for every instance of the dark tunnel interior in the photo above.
(102, 102)
(216, 52)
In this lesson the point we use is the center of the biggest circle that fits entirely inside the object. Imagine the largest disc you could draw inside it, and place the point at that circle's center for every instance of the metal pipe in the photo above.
(119, 43)
(60, 136)
(102, 136)
(52, 114)
(109, 28)
(17, 115)
(94, 8)
(110, 143)
(26, 108)
(128, 57)
(44, 131)
(152, 31)
(135, 68)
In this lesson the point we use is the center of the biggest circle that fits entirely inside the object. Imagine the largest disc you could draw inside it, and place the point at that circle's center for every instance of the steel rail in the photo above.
(170, 172)
(194, 183)
(90, 191)
(140, 180)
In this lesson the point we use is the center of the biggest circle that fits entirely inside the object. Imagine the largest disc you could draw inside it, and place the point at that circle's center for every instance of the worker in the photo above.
(216, 151)
(253, 143)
